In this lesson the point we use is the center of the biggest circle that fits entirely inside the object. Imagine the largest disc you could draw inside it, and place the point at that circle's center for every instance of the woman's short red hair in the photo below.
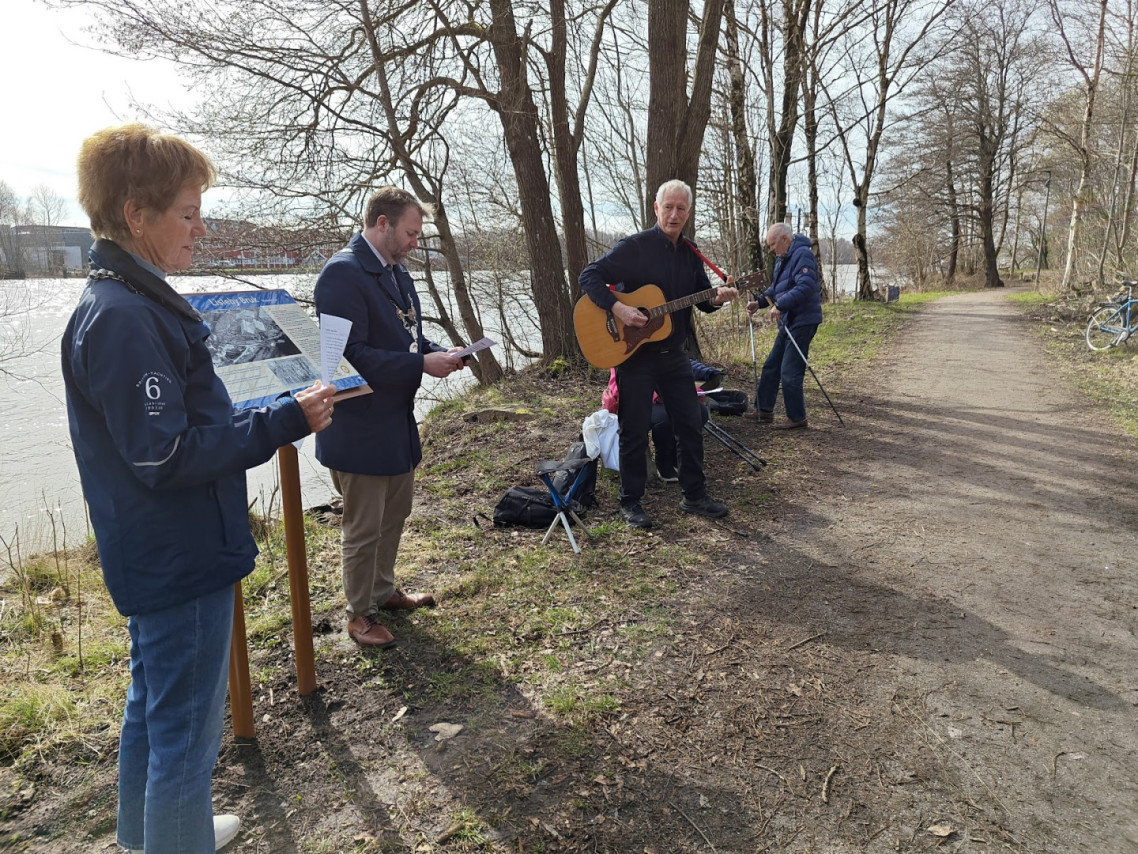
(136, 162)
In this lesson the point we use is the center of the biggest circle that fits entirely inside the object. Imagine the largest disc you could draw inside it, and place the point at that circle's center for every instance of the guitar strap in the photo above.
(705, 260)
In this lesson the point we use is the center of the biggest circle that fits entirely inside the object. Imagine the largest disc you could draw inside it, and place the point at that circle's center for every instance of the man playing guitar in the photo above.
(658, 256)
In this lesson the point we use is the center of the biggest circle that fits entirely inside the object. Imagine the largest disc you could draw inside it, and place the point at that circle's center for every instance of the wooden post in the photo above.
(240, 695)
(297, 570)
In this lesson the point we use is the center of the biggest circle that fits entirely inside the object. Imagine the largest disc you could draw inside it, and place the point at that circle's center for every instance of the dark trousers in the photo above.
(663, 438)
(667, 371)
(786, 368)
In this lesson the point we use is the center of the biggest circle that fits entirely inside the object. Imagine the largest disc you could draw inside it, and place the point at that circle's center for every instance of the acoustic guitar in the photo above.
(606, 342)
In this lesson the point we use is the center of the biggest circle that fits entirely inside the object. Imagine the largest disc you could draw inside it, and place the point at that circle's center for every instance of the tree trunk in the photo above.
(566, 145)
(676, 122)
(746, 190)
(864, 285)
(810, 133)
(1079, 203)
(518, 114)
(795, 16)
(954, 224)
(985, 218)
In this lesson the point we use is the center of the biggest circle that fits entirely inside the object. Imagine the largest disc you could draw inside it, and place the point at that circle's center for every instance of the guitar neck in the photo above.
(682, 302)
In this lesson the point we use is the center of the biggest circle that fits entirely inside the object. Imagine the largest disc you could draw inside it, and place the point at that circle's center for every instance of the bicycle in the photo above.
(1114, 322)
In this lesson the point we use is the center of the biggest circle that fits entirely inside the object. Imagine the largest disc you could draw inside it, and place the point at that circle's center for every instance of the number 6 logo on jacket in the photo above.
(150, 383)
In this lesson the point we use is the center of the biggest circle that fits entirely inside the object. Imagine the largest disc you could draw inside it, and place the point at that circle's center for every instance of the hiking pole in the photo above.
(731, 438)
(734, 445)
(754, 356)
(807, 364)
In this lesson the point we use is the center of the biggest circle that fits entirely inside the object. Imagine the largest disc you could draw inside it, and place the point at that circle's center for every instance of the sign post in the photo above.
(240, 692)
(297, 570)
(264, 345)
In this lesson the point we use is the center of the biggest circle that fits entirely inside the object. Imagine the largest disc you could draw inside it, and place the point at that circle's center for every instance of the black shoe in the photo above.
(634, 516)
(667, 473)
(706, 506)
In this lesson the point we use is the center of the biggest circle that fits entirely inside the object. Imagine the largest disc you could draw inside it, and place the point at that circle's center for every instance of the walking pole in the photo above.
(754, 357)
(807, 364)
(716, 433)
(733, 444)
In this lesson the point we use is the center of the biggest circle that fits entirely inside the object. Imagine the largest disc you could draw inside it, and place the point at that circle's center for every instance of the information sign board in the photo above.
(264, 344)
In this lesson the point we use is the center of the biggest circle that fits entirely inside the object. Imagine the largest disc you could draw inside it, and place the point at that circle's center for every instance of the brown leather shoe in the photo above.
(787, 424)
(367, 632)
(401, 601)
(759, 415)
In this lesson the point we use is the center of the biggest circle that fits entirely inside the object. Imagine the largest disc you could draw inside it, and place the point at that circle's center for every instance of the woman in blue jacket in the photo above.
(162, 459)
(795, 300)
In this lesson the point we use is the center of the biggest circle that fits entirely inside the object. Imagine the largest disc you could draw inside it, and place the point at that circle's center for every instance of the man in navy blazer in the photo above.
(374, 449)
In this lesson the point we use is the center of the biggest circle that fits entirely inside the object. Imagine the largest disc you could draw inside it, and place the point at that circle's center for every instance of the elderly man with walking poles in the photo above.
(795, 302)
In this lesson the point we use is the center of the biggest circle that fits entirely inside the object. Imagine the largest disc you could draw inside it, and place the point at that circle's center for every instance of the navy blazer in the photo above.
(374, 433)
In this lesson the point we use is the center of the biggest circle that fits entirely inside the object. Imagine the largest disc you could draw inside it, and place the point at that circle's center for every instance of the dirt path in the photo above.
(977, 526)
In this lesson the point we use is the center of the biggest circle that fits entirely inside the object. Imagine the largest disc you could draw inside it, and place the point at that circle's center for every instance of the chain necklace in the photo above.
(99, 273)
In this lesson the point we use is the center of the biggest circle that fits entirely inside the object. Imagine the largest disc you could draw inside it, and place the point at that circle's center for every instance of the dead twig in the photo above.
(1055, 763)
(826, 785)
(584, 630)
(772, 771)
(719, 649)
(693, 824)
(805, 641)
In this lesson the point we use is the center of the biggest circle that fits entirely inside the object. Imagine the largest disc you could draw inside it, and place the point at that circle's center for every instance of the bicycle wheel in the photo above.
(1106, 328)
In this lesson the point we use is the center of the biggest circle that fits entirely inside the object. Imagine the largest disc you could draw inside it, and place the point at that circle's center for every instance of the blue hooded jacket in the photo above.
(161, 453)
(795, 287)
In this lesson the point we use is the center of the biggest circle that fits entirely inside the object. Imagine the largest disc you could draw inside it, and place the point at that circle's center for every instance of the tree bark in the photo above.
(746, 189)
(1079, 202)
(518, 115)
(677, 121)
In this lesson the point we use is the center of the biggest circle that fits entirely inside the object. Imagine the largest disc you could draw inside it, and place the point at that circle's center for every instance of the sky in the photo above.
(57, 92)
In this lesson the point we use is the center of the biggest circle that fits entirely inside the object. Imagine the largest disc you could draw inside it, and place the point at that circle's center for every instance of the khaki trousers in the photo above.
(375, 509)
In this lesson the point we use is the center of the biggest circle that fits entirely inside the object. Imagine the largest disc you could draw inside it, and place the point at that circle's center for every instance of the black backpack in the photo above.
(527, 506)
(532, 507)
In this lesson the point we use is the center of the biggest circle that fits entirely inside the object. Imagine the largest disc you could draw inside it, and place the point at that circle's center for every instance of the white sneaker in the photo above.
(225, 829)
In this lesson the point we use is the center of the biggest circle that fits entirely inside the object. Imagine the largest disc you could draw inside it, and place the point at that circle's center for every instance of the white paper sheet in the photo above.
(333, 339)
(480, 344)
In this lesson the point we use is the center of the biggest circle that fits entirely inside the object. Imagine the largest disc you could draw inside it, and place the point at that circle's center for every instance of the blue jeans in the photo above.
(786, 366)
(171, 728)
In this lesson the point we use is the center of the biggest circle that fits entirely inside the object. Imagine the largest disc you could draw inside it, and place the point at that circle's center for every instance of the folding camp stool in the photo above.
(563, 501)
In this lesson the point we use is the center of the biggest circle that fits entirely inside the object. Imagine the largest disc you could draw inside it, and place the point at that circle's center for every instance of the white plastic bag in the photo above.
(599, 431)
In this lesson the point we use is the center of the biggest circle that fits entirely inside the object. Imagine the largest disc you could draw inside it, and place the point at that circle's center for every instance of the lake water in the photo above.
(39, 482)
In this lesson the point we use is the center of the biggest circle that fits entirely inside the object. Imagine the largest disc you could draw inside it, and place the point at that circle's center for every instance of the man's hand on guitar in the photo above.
(725, 294)
(628, 315)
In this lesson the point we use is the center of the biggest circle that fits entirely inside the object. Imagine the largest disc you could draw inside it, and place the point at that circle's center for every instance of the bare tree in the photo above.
(1081, 36)
(1123, 169)
(989, 73)
(11, 214)
(45, 211)
(882, 62)
(746, 187)
(678, 118)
